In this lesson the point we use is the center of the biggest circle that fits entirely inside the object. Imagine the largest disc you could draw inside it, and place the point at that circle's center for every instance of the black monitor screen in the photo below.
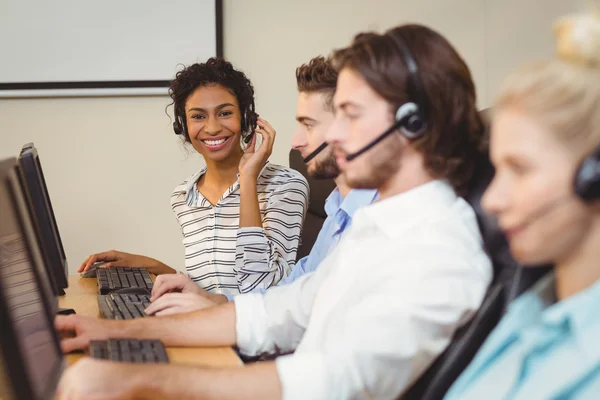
(41, 209)
(29, 344)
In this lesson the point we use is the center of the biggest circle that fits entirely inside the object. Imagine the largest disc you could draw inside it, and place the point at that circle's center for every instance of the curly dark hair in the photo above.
(215, 71)
(455, 134)
(318, 76)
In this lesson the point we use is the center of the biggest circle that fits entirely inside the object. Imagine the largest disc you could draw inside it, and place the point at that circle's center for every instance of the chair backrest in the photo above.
(510, 280)
(320, 189)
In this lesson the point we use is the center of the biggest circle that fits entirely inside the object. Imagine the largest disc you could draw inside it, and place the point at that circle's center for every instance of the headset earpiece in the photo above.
(587, 177)
(179, 124)
(245, 123)
(248, 124)
(410, 120)
(177, 128)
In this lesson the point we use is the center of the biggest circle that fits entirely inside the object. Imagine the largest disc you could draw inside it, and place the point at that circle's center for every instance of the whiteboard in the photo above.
(103, 47)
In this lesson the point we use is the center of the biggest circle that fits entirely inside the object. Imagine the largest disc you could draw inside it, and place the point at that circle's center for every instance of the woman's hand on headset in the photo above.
(254, 159)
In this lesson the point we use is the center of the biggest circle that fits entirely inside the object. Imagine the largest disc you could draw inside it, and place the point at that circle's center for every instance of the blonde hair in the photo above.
(563, 93)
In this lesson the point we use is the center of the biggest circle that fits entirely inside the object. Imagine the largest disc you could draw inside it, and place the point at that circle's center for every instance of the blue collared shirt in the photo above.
(541, 349)
(339, 211)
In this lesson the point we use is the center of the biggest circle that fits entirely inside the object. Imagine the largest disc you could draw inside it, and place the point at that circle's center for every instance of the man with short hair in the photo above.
(316, 83)
(386, 302)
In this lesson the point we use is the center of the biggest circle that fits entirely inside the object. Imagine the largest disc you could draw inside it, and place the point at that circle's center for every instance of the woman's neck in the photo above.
(579, 269)
(222, 174)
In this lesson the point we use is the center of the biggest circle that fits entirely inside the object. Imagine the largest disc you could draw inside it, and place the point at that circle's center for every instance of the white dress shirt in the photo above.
(381, 307)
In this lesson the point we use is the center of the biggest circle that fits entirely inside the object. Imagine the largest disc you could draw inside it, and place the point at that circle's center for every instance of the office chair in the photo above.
(509, 281)
(320, 189)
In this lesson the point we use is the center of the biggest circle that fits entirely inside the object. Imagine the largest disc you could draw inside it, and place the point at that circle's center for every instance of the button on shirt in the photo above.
(340, 211)
(226, 259)
(541, 349)
(380, 307)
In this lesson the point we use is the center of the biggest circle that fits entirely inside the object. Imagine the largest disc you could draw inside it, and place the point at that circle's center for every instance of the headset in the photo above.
(411, 116)
(248, 123)
(586, 182)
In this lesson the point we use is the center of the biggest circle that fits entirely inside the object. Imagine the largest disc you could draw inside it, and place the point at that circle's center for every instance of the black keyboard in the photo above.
(116, 278)
(123, 306)
(129, 350)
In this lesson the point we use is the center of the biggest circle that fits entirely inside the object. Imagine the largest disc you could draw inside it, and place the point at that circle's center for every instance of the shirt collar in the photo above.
(578, 311)
(531, 304)
(354, 200)
(190, 186)
(410, 207)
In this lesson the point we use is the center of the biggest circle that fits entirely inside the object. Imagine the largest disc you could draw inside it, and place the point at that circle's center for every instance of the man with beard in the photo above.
(316, 83)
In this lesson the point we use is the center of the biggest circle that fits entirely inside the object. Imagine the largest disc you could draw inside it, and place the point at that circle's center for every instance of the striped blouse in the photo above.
(223, 258)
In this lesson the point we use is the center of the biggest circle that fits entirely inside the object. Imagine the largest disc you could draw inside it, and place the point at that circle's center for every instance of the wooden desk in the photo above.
(82, 296)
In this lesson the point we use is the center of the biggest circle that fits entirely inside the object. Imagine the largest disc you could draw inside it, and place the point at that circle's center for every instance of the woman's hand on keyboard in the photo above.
(114, 258)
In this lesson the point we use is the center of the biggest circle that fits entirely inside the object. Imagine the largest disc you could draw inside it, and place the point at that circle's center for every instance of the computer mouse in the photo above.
(66, 311)
(91, 273)
(132, 290)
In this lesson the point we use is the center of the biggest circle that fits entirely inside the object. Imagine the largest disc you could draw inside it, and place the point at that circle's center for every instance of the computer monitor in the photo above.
(36, 191)
(31, 360)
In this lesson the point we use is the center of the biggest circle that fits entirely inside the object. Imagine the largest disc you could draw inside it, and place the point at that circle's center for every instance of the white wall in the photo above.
(111, 163)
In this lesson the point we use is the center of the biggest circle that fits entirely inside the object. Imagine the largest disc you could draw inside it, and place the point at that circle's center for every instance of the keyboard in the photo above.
(129, 350)
(123, 306)
(115, 278)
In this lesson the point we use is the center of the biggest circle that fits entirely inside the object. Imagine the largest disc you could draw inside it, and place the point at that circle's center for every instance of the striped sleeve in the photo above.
(265, 255)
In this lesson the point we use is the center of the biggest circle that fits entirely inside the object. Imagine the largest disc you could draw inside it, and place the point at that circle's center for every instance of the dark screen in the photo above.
(38, 164)
(45, 221)
(24, 291)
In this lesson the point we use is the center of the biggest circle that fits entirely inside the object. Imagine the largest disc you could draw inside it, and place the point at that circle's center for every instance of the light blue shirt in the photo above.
(339, 211)
(541, 349)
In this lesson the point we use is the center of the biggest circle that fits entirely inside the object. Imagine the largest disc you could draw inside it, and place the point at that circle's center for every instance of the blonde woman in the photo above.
(544, 144)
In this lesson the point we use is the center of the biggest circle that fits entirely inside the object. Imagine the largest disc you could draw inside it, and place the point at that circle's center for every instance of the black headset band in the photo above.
(417, 93)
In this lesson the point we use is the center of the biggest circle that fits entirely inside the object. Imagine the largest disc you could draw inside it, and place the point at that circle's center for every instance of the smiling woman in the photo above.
(240, 216)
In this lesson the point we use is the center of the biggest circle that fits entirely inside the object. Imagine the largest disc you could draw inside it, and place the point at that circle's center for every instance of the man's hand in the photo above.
(177, 303)
(114, 258)
(98, 380)
(191, 297)
(84, 329)
(174, 283)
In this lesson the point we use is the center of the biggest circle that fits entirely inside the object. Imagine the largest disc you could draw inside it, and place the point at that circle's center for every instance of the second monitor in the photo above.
(36, 191)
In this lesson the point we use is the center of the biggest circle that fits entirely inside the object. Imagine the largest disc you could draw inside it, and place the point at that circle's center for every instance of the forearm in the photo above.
(214, 326)
(249, 207)
(157, 267)
(259, 381)
(216, 298)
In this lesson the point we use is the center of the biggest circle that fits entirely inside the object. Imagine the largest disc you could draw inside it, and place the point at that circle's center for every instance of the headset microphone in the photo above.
(547, 208)
(385, 134)
(315, 153)
(586, 185)
(407, 119)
